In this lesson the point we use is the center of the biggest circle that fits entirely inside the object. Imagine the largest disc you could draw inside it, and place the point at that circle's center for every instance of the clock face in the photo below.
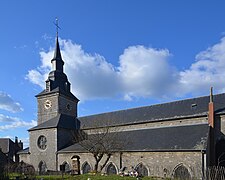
(42, 142)
(48, 104)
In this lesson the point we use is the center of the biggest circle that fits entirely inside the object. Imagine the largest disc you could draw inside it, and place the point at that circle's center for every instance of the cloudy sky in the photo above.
(118, 54)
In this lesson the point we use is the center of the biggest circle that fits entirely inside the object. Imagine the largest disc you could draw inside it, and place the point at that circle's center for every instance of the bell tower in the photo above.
(57, 97)
(57, 117)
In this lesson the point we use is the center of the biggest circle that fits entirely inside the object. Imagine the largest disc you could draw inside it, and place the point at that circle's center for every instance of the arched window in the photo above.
(86, 168)
(182, 173)
(111, 169)
(48, 86)
(142, 170)
(42, 167)
(67, 167)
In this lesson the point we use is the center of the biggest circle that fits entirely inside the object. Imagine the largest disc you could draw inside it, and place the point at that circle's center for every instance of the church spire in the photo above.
(57, 62)
(57, 54)
(57, 78)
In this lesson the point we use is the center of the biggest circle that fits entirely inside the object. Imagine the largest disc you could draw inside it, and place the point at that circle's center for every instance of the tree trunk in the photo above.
(106, 161)
(98, 158)
(96, 166)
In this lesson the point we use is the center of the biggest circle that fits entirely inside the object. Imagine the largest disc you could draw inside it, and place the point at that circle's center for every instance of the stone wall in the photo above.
(164, 163)
(67, 106)
(47, 155)
(25, 158)
(161, 164)
(46, 114)
(65, 138)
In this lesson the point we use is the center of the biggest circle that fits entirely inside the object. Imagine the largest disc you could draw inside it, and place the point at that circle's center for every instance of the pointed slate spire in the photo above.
(57, 80)
(57, 62)
(57, 54)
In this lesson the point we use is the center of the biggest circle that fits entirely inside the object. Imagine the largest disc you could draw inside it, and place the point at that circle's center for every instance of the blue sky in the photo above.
(118, 54)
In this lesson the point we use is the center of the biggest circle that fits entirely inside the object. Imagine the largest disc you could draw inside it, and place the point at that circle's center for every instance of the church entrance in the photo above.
(42, 168)
(220, 153)
(75, 165)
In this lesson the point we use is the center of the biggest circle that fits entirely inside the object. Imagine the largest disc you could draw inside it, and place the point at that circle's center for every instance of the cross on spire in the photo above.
(57, 26)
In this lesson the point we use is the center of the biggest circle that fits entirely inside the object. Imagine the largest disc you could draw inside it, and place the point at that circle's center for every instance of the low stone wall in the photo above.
(160, 164)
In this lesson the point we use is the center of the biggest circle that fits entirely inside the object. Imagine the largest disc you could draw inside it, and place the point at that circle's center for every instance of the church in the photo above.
(183, 137)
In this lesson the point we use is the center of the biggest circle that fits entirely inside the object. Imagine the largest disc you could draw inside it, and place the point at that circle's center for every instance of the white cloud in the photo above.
(91, 76)
(142, 72)
(8, 104)
(208, 70)
(14, 122)
(4, 118)
(145, 72)
(25, 142)
(36, 77)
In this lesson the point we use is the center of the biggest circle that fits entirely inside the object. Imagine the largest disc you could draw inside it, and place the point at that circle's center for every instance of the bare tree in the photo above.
(100, 142)
(23, 169)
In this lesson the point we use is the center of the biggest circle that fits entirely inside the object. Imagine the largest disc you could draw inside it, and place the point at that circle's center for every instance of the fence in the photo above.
(215, 173)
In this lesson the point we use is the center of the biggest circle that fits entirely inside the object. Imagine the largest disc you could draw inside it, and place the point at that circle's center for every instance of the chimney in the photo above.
(20, 145)
(16, 140)
(211, 109)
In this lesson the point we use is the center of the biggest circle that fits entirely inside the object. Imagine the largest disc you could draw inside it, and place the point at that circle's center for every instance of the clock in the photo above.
(42, 142)
(48, 104)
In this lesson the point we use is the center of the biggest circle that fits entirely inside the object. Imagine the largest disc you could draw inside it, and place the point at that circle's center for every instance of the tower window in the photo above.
(42, 142)
(67, 86)
(54, 65)
(48, 86)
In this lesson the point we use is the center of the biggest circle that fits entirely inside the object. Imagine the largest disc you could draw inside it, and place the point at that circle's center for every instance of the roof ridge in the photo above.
(153, 105)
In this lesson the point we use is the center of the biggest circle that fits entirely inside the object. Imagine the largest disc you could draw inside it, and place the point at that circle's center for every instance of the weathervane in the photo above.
(57, 26)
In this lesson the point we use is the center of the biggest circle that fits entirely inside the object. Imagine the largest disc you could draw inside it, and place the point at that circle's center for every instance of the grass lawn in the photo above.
(85, 177)
(93, 177)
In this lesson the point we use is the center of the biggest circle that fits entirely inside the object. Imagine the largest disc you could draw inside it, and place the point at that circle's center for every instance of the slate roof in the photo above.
(24, 151)
(194, 107)
(4, 144)
(190, 137)
(60, 91)
(60, 121)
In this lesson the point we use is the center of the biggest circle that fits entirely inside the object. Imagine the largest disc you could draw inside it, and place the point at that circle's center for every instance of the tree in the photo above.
(3, 165)
(23, 169)
(100, 142)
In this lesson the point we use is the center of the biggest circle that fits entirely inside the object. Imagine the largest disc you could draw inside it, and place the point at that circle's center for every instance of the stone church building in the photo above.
(165, 140)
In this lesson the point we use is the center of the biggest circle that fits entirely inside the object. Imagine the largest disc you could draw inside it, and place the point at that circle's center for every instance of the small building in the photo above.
(167, 140)
(9, 149)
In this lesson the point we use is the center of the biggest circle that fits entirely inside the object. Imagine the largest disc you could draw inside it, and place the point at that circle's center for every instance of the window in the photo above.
(111, 169)
(47, 86)
(42, 142)
(67, 167)
(86, 168)
(142, 170)
(42, 167)
(181, 172)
